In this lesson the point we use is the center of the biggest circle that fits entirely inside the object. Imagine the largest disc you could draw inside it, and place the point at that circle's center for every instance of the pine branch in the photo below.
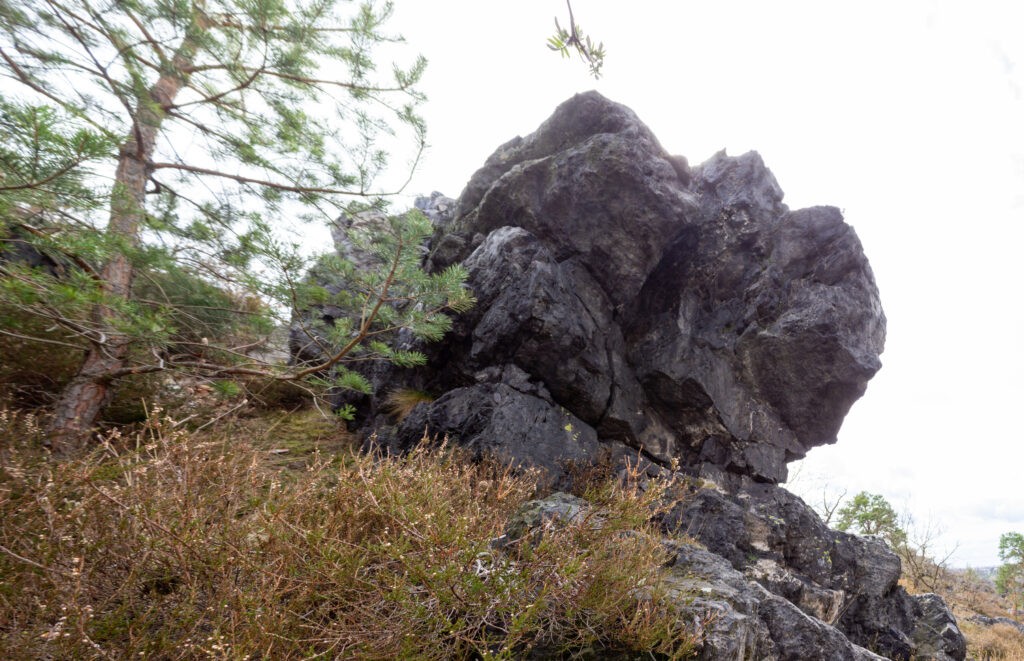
(284, 187)
(25, 79)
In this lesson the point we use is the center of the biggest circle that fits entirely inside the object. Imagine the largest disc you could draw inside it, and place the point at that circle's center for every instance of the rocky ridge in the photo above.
(632, 306)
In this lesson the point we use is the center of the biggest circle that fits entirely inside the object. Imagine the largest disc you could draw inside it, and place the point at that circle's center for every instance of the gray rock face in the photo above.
(936, 633)
(750, 622)
(684, 313)
(849, 582)
(499, 420)
(628, 304)
(438, 208)
(741, 619)
(771, 318)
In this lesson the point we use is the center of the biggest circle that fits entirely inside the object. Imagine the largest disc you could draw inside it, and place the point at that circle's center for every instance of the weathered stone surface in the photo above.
(499, 420)
(685, 312)
(438, 208)
(582, 117)
(771, 317)
(631, 304)
(739, 618)
(849, 582)
(558, 508)
(936, 633)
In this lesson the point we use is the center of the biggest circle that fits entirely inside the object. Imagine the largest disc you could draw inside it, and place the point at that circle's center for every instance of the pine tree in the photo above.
(1010, 575)
(172, 136)
(871, 514)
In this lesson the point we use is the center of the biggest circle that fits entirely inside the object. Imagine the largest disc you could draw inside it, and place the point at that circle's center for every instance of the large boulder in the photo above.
(687, 314)
(630, 306)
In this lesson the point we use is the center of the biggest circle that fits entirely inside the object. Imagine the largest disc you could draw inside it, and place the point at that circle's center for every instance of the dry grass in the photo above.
(1000, 641)
(400, 403)
(174, 545)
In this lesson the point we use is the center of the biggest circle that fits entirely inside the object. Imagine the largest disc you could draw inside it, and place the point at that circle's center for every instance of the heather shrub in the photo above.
(187, 545)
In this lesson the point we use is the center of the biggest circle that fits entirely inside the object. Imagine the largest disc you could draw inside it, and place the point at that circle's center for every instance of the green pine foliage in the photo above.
(45, 160)
(371, 304)
(573, 38)
(871, 514)
(157, 160)
(1010, 575)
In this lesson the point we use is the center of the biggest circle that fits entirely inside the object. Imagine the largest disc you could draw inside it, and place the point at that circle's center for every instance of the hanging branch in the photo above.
(589, 52)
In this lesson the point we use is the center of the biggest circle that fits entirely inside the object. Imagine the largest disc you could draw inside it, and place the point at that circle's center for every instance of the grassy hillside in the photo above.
(247, 540)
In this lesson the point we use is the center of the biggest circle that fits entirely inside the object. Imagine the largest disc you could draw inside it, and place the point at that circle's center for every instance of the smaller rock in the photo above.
(498, 420)
(743, 620)
(347, 225)
(439, 208)
(936, 633)
(559, 508)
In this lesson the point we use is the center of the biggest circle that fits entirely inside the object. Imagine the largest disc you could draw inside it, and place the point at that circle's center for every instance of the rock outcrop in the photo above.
(689, 314)
(629, 305)
(851, 583)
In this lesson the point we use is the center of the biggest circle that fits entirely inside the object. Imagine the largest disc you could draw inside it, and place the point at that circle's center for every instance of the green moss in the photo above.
(109, 471)
(111, 626)
(275, 394)
(291, 440)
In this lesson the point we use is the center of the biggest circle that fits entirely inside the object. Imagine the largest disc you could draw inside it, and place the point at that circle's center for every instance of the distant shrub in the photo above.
(31, 372)
(197, 308)
(188, 546)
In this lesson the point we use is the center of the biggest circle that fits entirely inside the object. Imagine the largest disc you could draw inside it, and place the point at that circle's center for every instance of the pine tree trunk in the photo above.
(89, 391)
(80, 404)
(83, 399)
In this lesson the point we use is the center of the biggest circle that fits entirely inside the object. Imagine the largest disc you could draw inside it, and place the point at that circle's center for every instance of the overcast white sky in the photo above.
(907, 115)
